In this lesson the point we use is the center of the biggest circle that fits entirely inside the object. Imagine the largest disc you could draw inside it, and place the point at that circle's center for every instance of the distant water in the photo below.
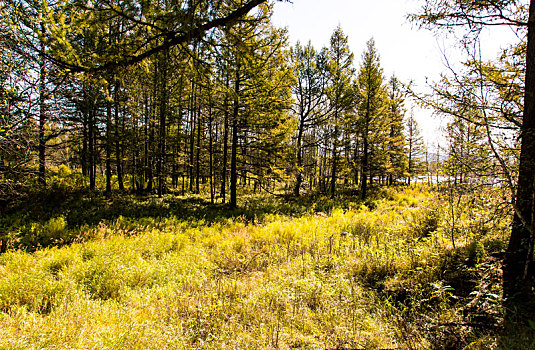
(472, 181)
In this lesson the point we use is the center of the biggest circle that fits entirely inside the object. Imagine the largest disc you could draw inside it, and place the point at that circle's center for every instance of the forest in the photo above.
(175, 174)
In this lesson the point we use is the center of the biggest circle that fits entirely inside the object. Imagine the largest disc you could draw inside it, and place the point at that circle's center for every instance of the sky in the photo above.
(412, 54)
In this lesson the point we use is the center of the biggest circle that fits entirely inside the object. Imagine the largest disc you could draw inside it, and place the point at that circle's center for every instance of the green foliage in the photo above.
(52, 232)
(426, 222)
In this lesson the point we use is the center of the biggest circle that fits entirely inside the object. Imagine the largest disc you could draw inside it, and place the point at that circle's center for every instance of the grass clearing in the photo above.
(350, 277)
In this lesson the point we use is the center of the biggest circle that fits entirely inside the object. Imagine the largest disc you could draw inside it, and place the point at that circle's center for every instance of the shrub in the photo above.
(52, 232)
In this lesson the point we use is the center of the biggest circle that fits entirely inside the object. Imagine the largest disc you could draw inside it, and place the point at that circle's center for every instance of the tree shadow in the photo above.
(80, 209)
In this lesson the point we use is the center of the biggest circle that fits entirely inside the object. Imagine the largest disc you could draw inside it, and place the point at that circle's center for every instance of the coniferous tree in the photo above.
(397, 158)
(341, 98)
(371, 109)
(310, 105)
(415, 148)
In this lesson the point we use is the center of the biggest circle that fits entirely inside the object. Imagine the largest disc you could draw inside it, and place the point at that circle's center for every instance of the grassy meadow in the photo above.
(411, 268)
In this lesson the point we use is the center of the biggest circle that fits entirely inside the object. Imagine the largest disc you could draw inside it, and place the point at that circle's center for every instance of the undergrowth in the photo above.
(181, 273)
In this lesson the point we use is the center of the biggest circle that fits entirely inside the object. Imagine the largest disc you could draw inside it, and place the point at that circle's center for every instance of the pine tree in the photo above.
(309, 107)
(341, 97)
(415, 148)
(397, 157)
(371, 110)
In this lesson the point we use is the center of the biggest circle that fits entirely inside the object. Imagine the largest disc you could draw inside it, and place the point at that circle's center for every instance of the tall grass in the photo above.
(352, 277)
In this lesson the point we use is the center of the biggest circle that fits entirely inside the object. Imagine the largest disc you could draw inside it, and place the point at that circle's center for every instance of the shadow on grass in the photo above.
(27, 223)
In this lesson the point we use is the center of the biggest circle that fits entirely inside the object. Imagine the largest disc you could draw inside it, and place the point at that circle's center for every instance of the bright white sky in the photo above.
(411, 53)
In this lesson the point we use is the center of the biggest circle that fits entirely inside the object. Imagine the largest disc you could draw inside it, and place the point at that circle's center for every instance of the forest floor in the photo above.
(399, 271)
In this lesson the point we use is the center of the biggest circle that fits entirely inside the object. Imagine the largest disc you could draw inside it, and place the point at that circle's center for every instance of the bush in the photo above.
(37, 235)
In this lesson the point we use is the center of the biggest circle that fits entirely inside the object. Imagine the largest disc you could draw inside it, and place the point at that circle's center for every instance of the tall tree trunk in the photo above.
(146, 150)
(299, 177)
(198, 151)
(225, 156)
(118, 150)
(365, 170)
(233, 164)
(518, 270)
(150, 159)
(91, 146)
(150, 169)
(211, 152)
(335, 161)
(243, 150)
(108, 145)
(135, 153)
(355, 162)
(410, 153)
(233, 161)
(42, 113)
(192, 136)
(152, 131)
(85, 136)
(177, 147)
(163, 117)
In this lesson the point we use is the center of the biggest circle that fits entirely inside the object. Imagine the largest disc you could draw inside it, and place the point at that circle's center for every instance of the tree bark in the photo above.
(518, 276)
(118, 150)
(198, 151)
(211, 152)
(108, 145)
(85, 134)
(192, 136)
(163, 118)
(91, 146)
(364, 171)
(42, 114)
(146, 161)
(335, 159)
(233, 165)
(225, 157)
(299, 177)
(233, 161)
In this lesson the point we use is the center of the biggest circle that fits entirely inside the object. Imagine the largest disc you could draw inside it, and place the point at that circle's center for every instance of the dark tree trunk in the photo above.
(150, 173)
(299, 177)
(518, 276)
(233, 161)
(192, 137)
(233, 164)
(42, 115)
(211, 152)
(355, 160)
(108, 146)
(335, 161)
(177, 147)
(135, 155)
(335, 156)
(85, 136)
(225, 157)
(364, 172)
(243, 149)
(198, 152)
(152, 127)
(163, 118)
(146, 137)
(91, 146)
(118, 150)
